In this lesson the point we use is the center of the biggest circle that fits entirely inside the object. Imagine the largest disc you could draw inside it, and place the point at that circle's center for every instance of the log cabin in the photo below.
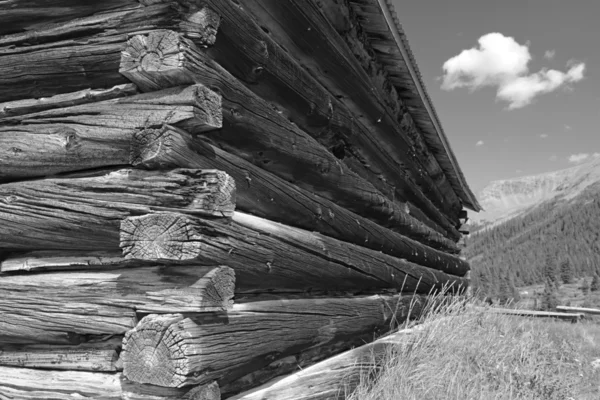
(198, 196)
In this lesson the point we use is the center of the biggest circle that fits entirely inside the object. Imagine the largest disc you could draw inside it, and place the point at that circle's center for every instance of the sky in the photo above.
(515, 83)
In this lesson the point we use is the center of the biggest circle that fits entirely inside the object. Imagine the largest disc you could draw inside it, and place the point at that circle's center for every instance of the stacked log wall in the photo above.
(189, 201)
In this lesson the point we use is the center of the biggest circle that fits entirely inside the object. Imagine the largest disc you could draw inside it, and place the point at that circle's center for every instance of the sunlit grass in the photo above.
(464, 352)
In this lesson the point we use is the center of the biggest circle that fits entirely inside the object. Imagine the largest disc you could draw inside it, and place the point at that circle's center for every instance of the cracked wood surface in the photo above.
(59, 307)
(251, 55)
(99, 134)
(261, 193)
(35, 384)
(301, 28)
(254, 131)
(84, 212)
(174, 351)
(67, 56)
(102, 356)
(299, 260)
(333, 378)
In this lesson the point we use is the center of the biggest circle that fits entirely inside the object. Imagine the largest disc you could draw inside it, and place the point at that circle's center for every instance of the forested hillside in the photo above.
(515, 253)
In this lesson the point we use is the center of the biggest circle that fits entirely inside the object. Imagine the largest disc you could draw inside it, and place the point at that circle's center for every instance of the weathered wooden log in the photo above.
(333, 378)
(336, 249)
(35, 384)
(21, 15)
(256, 132)
(581, 310)
(85, 53)
(52, 260)
(264, 194)
(174, 351)
(136, 391)
(95, 135)
(63, 307)
(265, 262)
(251, 55)
(85, 212)
(300, 27)
(100, 356)
(29, 106)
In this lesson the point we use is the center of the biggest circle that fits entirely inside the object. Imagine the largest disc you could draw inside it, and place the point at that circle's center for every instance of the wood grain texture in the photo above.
(299, 25)
(29, 106)
(100, 356)
(174, 351)
(94, 135)
(252, 56)
(334, 377)
(265, 262)
(53, 260)
(264, 194)
(63, 307)
(84, 212)
(35, 384)
(254, 131)
(317, 243)
(72, 55)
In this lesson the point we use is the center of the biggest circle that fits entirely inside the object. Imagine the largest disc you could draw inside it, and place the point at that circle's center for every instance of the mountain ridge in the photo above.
(508, 198)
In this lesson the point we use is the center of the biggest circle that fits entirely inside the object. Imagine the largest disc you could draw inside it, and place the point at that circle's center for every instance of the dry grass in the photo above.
(467, 353)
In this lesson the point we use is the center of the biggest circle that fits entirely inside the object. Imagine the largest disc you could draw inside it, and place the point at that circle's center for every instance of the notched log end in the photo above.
(157, 148)
(164, 236)
(219, 286)
(204, 392)
(222, 200)
(154, 61)
(201, 26)
(152, 353)
(209, 110)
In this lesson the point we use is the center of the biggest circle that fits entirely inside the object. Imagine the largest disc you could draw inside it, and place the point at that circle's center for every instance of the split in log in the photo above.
(29, 106)
(100, 356)
(85, 53)
(300, 27)
(26, 15)
(264, 194)
(328, 247)
(84, 212)
(63, 307)
(174, 351)
(40, 261)
(35, 384)
(251, 55)
(333, 378)
(300, 261)
(95, 135)
(259, 134)
(581, 310)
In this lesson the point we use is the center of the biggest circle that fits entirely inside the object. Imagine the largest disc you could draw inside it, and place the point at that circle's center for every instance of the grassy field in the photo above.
(467, 353)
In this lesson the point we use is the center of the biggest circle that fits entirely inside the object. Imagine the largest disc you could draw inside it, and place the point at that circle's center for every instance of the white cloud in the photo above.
(577, 158)
(480, 143)
(568, 127)
(553, 157)
(500, 62)
(549, 54)
(544, 136)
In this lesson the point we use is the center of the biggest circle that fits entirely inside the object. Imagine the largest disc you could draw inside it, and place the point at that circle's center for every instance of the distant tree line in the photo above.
(555, 243)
